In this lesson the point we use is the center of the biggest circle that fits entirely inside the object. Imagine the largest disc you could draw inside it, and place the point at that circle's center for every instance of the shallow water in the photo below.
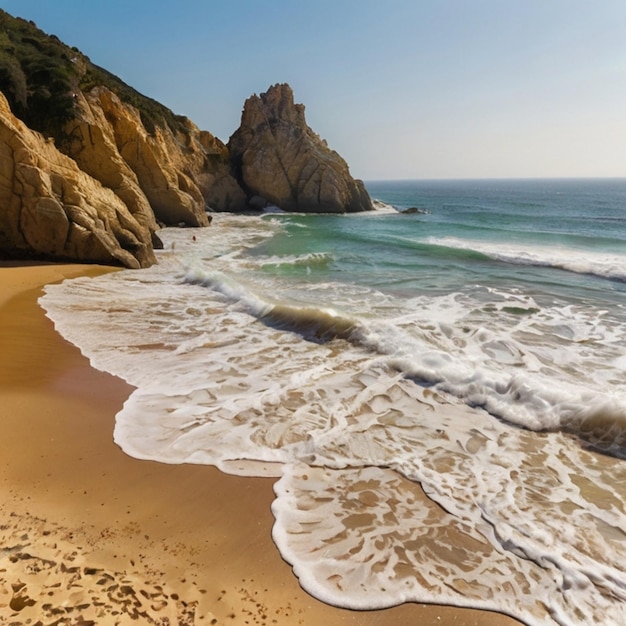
(442, 395)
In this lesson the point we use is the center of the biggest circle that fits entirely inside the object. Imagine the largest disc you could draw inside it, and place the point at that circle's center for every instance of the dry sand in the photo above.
(91, 536)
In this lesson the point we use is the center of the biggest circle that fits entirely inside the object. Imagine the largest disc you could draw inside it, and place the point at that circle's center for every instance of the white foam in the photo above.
(540, 522)
(273, 209)
(491, 368)
(311, 259)
(383, 208)
(611, 266)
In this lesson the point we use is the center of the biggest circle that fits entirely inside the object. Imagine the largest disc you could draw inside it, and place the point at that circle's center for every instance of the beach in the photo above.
(92, 536)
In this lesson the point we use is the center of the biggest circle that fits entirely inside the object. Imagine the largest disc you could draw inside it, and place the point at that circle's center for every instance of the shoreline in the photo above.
(90, 533)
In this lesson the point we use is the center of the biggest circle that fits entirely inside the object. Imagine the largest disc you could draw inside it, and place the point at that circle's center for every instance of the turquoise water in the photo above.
(488, 232)
(441, 395)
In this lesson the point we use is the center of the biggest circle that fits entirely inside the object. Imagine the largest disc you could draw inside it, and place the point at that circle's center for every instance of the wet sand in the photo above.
(89, 535)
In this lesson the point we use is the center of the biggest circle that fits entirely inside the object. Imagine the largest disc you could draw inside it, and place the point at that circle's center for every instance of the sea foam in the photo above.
(609, 266)
(484, 367)
(387, 420)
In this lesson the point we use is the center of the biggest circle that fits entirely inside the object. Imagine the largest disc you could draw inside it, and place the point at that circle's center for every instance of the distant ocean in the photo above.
(441, 393)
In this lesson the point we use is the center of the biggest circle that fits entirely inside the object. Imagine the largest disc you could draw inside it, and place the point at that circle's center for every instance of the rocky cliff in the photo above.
(91, 169)
(51, 208)
(277, 157)
(170, 174)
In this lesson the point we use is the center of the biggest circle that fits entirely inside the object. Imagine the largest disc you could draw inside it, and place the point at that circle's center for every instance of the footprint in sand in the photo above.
(20, 600)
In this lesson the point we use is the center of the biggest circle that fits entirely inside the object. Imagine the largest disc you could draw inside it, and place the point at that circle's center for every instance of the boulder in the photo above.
(412, 210)
(276, 156)
(52, 209)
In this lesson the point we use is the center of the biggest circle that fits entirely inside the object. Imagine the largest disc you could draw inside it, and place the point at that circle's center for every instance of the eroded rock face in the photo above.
(107, 202)
(213, 175)
(176, 176)
(124, 165)
(102, 195)
(276, 156)
(50, 208)
(91, 142)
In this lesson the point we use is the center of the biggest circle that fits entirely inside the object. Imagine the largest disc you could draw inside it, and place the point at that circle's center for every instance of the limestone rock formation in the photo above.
(52, 209)
(153, 166)
(276, 156)
(90, 169)
(90, 141)
(166, 175)
(213, 175)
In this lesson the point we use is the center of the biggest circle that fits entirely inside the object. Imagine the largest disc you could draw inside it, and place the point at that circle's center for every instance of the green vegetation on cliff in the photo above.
(40, 75)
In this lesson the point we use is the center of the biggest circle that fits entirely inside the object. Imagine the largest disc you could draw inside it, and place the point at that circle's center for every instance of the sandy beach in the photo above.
(91, 536)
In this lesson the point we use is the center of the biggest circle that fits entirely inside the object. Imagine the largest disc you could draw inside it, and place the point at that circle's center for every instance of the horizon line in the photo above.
(491, 178)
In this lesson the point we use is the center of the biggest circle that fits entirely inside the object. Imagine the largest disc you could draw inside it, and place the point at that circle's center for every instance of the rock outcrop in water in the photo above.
(276, 156)
(91, 169)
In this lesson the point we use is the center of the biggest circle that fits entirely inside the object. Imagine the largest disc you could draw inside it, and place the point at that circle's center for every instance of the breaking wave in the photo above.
(519, 398)
(601, 264)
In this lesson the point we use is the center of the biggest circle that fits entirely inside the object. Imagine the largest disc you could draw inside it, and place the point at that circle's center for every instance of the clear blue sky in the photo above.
(401, 88)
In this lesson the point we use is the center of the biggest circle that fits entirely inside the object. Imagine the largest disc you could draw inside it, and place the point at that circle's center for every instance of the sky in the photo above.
(402, 89)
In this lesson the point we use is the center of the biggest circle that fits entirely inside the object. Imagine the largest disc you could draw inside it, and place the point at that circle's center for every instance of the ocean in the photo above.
(439, 393)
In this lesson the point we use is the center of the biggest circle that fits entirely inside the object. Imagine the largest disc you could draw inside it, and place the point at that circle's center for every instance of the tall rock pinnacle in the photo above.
(275, 155)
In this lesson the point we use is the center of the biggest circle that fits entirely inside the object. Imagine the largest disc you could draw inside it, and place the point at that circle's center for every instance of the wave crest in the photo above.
(313, 323)
(609, 266)
(428, 358)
